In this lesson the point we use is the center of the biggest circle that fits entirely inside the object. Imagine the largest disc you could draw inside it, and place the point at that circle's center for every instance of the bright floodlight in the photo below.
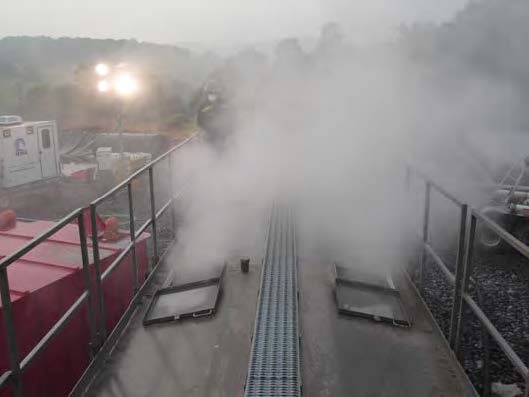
(102, 69)
(125, 84)
(103, 86)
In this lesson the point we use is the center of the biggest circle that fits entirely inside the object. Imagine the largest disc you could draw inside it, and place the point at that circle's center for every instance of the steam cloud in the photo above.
(331, 133)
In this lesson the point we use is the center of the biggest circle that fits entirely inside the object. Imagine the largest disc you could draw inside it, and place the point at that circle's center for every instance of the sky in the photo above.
(224, 22)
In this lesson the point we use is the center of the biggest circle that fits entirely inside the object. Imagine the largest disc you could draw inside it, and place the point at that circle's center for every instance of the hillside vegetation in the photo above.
(44, 78)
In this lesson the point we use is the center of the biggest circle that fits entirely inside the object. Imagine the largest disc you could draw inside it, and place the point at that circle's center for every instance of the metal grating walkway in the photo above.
(274, 368)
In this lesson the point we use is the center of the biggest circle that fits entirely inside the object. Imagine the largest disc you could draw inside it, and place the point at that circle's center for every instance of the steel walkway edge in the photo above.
(274, 367)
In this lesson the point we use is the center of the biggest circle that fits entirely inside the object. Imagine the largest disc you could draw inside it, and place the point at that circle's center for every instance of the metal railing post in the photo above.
(171, 187)
(86, 272)
(153, 219)
(485, 344)
(97, 270)
(132, 238)
(11, 338)
(426, 221)
(457, 302)
(465, 277)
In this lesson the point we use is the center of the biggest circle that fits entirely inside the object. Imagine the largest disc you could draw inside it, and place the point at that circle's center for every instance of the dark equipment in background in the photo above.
(509, 207)
(216, 114)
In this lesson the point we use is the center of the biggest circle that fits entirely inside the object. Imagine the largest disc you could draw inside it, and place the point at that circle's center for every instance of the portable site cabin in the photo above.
(29, 151)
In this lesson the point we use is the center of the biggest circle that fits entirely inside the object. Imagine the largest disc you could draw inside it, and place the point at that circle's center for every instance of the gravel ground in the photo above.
(503, 284)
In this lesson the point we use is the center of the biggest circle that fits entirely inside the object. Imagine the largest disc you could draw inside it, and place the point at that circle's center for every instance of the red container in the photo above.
(43, 285)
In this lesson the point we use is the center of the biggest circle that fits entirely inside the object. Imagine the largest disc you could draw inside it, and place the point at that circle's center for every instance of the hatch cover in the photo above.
(369, 296)
(189, 300)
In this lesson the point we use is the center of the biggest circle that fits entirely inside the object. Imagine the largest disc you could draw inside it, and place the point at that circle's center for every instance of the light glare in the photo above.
(125, 84)
(102, 69)
(103, 86)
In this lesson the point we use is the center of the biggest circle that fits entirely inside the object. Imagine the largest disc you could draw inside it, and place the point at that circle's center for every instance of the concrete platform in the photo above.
(341, 356)
(349, 356)
(197, 357)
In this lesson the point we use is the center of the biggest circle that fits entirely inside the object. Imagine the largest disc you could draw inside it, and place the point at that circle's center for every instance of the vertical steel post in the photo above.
(171, 187)
(97, 270)
(153, 219)
(426, 221)
(11, 338)
(467, 271)
(86, 273)
(485, 342)
(132, 238)
(457, 301)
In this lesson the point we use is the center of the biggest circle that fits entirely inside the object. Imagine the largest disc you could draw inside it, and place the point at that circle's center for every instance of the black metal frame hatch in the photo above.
(364, 295)
(189, 300)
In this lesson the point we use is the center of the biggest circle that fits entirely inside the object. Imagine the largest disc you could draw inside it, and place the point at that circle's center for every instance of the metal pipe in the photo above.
(515, 360)
(164, 207)
(143, 227)
(86, 274)
(485, 344)
(171, 189)
(503, 193)
(116, 261)
(6, 377)
(11, 336)
(457, 302)
(97, 270)
(467, 271)
(437, 187)
(132, 239)
(426, 220)
(444, 269)
(520, 188)
(153, 219)
(504, 234)
(7, 260)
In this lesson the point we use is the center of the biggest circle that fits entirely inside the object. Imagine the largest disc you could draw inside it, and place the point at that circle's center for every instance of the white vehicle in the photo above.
(29, 151)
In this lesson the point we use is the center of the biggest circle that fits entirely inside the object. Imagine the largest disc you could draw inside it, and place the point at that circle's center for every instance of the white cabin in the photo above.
(29, 151)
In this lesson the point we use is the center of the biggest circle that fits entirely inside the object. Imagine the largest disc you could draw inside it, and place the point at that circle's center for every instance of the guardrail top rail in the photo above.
(424, 176)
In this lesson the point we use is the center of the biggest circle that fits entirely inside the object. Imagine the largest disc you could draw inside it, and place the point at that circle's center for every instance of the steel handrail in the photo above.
(504, 234)
(46, 339)
(437, 187)
(5, 377)
(462, 276)
(7, 260)
(18, 366)
(142, 170)
(513, 357)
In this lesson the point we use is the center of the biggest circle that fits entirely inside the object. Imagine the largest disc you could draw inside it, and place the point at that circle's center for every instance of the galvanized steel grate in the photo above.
(274, 368)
